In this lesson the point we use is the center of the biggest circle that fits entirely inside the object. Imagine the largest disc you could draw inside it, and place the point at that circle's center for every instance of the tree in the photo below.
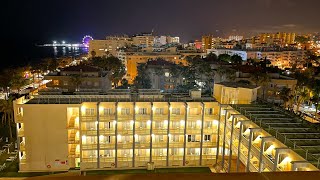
(142, 80)
(76, 80)
(315, 99)
(261, 79)
(159, 72)
(124, 84)
(112, 64)
(302, 94)
(211, 57)
(224, 57)
(286, 96)
(236, 59)
(6, 107)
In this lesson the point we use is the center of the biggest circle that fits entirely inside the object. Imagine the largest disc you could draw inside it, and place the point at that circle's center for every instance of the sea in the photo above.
(17, 56)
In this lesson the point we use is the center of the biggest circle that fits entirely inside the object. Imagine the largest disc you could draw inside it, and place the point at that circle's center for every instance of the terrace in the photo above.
(301, 136)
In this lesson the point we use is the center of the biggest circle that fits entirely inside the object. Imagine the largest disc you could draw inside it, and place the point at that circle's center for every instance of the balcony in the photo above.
(159, 144)
(175, 117)
(107, 131)
(193, 144)
(23, 160)
(209, 144)
(176, 160)
(125, 158)
(19, 118)
(142, 131)
(107, 146)
(125, 131)
(107, 158)
(126, 117)
(92, 132)
(143, 117)
(88, 118)
(107, 118)
(90, 159)
(192, 160)
(210, 130)
(194, 117)
(142, 144)
(73, 153)
(125, 145)
(177, 130)
(210, 117)
(22, 146)
(72, 123)
(193, 130)
(161, 130)
(174, 144)
(206, 156)
(160, 117)
(89, 146)
(21, 132)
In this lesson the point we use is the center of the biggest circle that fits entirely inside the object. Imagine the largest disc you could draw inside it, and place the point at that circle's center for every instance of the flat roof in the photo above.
(78, 99)
(300, 135)
(238, 85)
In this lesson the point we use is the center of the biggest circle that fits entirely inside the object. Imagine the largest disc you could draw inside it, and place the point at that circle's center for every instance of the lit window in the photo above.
(209, 111)
(167, 74)
(107, 111)
(89, 112)
(207, 137)
(56, 82)
(176, 111)
(159, 110)
(125, 111)
(191, 138)
(142, 110)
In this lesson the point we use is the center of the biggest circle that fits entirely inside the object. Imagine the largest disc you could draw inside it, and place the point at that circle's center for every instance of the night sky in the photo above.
(45, 20)
(41, 21)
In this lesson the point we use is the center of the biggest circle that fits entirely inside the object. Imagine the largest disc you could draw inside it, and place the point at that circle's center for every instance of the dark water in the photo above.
(21, 55)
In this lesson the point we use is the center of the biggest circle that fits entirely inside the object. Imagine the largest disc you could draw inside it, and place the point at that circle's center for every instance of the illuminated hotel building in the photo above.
(122, 130)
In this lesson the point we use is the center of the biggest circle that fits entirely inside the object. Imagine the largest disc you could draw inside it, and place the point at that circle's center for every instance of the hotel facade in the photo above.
(125, 130)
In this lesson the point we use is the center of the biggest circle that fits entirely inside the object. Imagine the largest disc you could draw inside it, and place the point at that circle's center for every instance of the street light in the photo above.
(63, 42)
(54, 42)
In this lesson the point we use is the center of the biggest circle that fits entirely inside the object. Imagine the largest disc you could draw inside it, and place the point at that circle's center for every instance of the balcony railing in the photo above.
(89, 159)
(107, 146)
(159, 144)
(106, 118)
(205, 156)
(89, 146)
(125, 145)
(159, 157)
(177, 130)
(107, 131)
(142, 157)
(209, 144)
(142, 131)
(160, 130)
(143, 117)
(22, 146)
(125, 131)
(193, 144)
(177, 117)
(193, 130)
(195, 117)
(142, 144)
(176, 144)
(104, 158)
(211, 117)
(123, 158)
(176, 157)
(210, 130)
(21, 132)
(125, 117)
(88, 118)
(19, 117)
(160, 117)
(92, 132)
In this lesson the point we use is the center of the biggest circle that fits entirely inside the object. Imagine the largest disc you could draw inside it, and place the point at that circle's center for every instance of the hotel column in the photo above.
(116, 135)
(230, 144)
(80, 133)
(239, 145)
(151, 120)
(98, 136)
(224, 138)
(261, 154)
(274, 169)
(249, 150)
(185, 134)
(218, 131)
(134, 132)
(168, 138)
(202, 122)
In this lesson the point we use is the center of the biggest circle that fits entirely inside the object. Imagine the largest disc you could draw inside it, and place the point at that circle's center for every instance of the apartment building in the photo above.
(267, 142)
(116, 130)
(133, 59)
(108, 46)
(207, 42)
(143, 40)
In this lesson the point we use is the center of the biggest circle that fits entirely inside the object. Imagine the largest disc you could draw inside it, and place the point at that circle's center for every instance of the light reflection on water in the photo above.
(67, 51)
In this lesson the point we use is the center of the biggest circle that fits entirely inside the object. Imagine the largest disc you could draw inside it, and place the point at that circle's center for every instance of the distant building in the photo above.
(235, 93)
(109, 46)
(231, 52)
(235, 38)
(143, 40)
(88, 78)
(281, 38)
(207, 42)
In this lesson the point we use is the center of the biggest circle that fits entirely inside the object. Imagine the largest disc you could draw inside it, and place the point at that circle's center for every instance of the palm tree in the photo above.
(261, 79)
(286, 95)
(6, 107)
(302, 94)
